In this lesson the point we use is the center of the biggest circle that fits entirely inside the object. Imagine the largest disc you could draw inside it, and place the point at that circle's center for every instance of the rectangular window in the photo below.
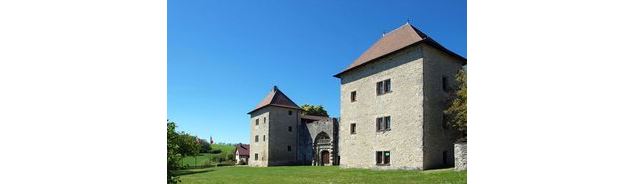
(290, 113)
(382, 157)
(257, 122)
(383, 123)
(264, 121)
(380, 88)
(445, 157)
(444, 120)
(290, 128)
(353, 126)
(264, 137)
(353, 96)
(256, 138)
(288, 148)
(446, 87)
(383, 87)
(256, 156)
(379, 122)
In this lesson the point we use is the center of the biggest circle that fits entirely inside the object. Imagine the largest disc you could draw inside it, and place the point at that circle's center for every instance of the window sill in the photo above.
(383, 131)
(382, 164)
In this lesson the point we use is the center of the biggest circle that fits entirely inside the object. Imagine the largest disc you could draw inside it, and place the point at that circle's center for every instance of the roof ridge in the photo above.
(391, 31)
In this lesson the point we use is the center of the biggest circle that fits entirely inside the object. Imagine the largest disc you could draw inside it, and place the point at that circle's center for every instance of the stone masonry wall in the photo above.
(460, 156)
(262, 129)
(403, 105)
(280, 137)
(437, 139)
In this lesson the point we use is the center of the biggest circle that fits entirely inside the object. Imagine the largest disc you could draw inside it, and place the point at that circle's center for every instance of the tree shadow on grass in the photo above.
(188, 172)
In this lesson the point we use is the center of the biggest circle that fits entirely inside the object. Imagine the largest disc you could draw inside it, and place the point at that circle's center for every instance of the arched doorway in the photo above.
(322, 146)
(325, 157)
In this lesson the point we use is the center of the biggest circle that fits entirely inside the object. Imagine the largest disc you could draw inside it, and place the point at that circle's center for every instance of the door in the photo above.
(325, 157)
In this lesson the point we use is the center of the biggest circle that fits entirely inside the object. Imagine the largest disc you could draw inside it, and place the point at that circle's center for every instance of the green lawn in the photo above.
(315, 174)
(226, 151)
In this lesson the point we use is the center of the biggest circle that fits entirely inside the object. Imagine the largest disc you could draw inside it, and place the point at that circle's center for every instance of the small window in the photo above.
(383, 123)
(256, 156)
(446, 86)
(383, 87)
(290, 128)
(257, 122)
(380, 88)
(444, 122)
(353, 126)
(256, 139)
(382, 157)
(288, 148)
(445, 157)
(264, 137)
(290, 113)
(264, 120)
(353, 96)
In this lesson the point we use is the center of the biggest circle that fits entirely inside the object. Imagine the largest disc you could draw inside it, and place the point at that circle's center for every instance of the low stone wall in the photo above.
(460, 156)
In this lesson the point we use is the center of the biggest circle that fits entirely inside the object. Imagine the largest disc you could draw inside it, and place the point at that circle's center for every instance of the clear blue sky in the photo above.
(225, 56)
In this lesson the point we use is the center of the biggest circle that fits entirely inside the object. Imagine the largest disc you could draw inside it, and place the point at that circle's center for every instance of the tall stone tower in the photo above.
(392, 100)
(274, 131)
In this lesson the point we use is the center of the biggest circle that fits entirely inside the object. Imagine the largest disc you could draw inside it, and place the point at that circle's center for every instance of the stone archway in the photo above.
(323, 146)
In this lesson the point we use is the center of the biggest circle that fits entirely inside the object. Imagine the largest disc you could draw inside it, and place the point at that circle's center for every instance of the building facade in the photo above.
(241, 154)
(392, 100)
(282, 135)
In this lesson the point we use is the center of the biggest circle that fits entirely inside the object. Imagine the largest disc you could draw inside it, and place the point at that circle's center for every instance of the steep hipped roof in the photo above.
(395, 40)
(276, 98)
(242, 149)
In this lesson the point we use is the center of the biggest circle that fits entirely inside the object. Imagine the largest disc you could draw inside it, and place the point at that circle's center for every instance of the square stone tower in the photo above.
(274, 131)
(392, 100)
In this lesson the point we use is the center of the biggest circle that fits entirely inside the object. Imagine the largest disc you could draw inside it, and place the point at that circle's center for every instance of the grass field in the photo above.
(226, 151)
(314, 174)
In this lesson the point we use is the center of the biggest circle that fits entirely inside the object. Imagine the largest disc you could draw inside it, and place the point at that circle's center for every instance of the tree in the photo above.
(206, 147)
(456, 113)
(188, 144)
(174, 156)
(314, 110)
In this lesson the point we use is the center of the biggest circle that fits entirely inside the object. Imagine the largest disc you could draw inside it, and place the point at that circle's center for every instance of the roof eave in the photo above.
(428, 41)
(284, 106)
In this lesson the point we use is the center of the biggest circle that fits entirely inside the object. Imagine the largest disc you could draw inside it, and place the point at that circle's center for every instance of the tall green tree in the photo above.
(456, 113)
(188, 145)
(314, 110)
(174, 156)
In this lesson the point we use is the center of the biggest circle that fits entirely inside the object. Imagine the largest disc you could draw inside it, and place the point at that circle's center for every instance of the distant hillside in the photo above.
(221, 153)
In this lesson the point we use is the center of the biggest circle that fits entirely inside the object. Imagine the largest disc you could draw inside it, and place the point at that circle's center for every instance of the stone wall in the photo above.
(438, 140)
(260, 130)
(417, 139)
(280, 137)
(403, 105)
(460, 156)
(309, 130)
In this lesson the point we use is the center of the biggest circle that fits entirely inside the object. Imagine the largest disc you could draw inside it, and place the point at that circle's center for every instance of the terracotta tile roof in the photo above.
(243, 149)
(276, 98)
(395, 40)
